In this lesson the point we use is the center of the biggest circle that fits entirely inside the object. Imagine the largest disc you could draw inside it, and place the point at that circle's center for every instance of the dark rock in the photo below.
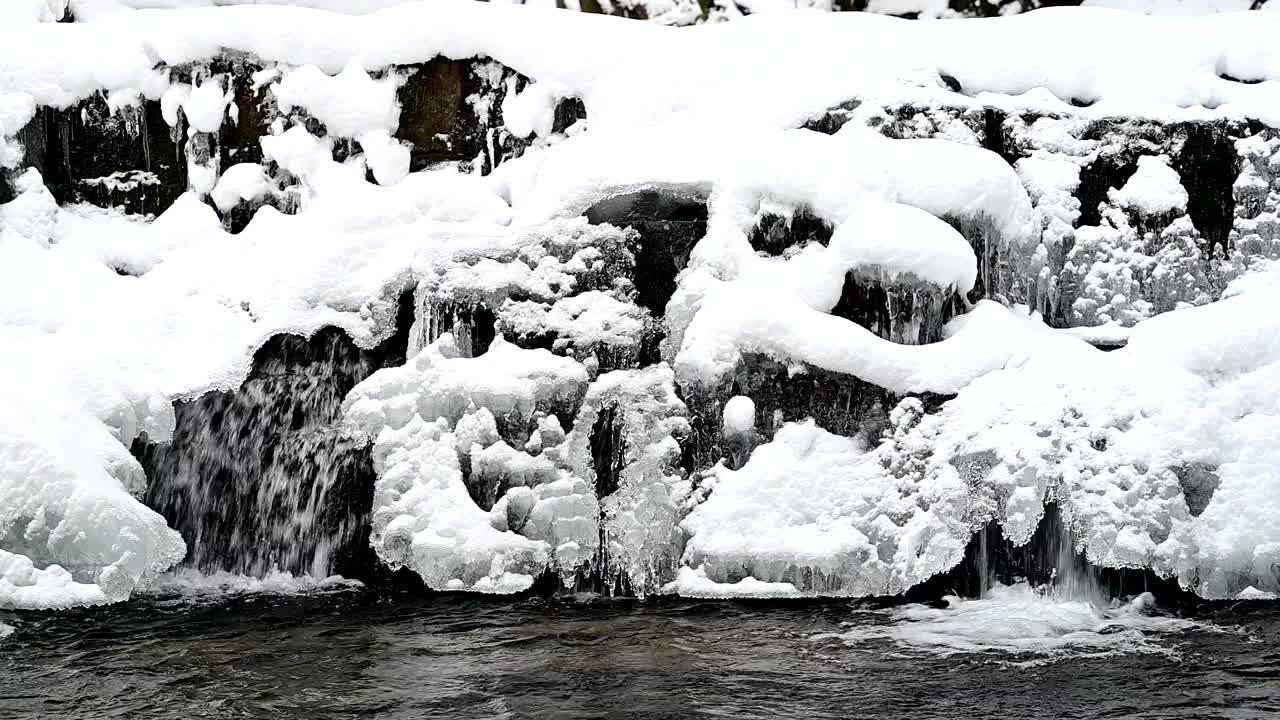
(1208, 165)
(669, 225)
(775, 233)
(838, 403)
(608, 450)
(832, 119)
(910, 312)
(240, 139)
(473, 326)
(131, 159)
(1106, 173)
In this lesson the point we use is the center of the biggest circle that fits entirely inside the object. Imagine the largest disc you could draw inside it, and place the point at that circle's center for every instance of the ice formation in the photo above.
(554, 310)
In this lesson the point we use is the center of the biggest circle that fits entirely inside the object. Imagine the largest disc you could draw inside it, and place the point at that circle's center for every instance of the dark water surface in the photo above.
(356, 654)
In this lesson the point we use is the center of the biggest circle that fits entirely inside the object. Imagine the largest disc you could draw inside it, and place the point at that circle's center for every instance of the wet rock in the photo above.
(472, 325)
(838, 403)
(668, 225)
(1199, 482)
(607, 450)
(904, 311)
(775, 233)
(251, 116)
(86, 153)
(1208, 165)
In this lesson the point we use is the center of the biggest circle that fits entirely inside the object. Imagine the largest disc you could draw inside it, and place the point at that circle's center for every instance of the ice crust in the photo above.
(490, 468)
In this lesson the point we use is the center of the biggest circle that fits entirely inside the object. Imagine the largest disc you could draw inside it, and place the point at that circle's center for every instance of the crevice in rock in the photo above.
(993, 135)
(608, 451)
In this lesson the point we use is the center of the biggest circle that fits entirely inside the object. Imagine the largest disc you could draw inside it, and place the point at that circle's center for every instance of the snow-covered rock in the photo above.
(606, 404)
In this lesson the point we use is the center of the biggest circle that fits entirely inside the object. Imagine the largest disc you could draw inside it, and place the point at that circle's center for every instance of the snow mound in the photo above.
(1155, 189)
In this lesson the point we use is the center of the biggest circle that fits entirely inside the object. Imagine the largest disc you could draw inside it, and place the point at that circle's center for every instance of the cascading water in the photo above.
(264, 478)
(1050, 564)
(1030, 604)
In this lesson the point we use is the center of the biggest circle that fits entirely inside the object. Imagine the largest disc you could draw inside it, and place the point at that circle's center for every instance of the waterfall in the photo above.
(264, 478)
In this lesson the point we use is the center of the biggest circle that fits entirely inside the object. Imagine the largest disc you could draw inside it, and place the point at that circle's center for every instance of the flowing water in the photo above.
(227, 648)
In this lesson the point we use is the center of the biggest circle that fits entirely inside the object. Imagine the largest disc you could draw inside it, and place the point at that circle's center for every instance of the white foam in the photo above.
(1031, 627)
(193, 584)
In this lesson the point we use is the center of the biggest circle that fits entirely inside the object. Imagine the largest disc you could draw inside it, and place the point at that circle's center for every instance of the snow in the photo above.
(27, 11)
(487, 475)
(745, 317)
(739, 415)
(1166, 66)
(387, 158)
(1253, 593)
(206, 105)
(415, 415)
(1173, 7)
(694, 583)
(1155, 189)
(350, 104)
(24, 587)
(806, 511)
(242, 182)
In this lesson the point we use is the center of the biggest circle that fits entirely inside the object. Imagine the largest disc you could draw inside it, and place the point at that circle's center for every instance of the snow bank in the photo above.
(1122, 440)
(1158, 455)
(694, 583)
